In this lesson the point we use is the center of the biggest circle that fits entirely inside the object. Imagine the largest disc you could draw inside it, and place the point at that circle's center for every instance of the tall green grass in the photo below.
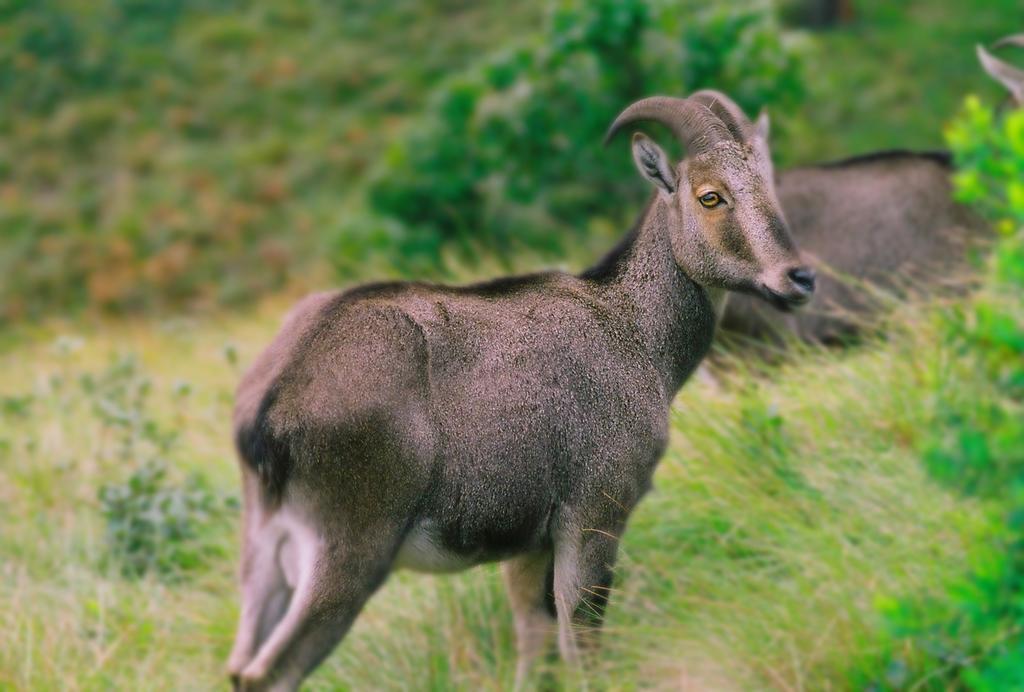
(790, 504)
(789, 512)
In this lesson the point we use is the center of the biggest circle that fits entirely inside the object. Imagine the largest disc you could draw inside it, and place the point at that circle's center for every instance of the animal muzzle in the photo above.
(792, 289)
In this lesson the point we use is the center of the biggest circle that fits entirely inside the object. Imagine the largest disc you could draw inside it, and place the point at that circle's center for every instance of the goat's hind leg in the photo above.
(265, 595)
(334, 580)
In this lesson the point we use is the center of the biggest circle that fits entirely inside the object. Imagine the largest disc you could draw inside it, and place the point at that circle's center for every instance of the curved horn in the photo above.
(1014, 40)
(1009, 76)
(727, 110)
(691, 122)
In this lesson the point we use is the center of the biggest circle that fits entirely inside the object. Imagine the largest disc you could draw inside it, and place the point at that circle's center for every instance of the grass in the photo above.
(790, 503)
(787, 505)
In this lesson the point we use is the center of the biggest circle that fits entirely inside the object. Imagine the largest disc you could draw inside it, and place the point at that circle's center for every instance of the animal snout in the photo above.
(803, 278)
(789, 288)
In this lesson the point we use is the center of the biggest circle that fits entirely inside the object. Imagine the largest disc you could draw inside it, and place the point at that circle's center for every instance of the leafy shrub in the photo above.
(152, 523)
(974, 639)
(990, 158)
(154, 526)
(508, 153)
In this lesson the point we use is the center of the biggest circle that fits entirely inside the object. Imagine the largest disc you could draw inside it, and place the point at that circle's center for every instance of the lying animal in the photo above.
(883, 220)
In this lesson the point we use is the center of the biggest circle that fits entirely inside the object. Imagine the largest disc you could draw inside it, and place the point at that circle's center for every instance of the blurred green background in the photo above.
(174, 172)
(164, 155)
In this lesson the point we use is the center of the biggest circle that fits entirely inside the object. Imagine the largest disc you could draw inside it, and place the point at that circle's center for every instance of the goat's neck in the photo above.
(676, 317)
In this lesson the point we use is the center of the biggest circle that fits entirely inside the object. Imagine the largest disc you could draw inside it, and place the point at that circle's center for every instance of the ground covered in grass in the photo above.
(791, 509)
(791, 503)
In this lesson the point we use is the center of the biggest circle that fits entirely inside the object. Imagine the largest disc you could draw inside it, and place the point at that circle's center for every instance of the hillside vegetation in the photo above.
(788, 507)
(189, 154)
(177, 171)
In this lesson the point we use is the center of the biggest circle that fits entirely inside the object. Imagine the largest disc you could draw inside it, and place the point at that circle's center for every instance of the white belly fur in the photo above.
(422, 552)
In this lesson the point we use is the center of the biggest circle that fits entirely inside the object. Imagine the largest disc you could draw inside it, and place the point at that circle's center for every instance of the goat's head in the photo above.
(727, 229)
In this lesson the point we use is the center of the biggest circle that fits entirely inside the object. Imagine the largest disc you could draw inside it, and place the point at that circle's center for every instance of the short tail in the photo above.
(264, 451)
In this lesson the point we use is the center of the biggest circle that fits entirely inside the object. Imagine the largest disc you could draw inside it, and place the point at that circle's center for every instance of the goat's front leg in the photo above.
(528, 579)
(584, 560)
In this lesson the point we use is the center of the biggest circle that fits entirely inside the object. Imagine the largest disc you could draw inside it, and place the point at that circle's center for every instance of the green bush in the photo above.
(156, 526)
(508, 154)
(153, 524)
(990, 159)
(974, 639)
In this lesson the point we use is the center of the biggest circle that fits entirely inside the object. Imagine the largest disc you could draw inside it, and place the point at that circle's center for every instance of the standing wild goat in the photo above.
(435, 428)
(887, 219)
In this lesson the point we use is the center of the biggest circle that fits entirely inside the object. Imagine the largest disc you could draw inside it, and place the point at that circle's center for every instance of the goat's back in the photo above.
(407, 395)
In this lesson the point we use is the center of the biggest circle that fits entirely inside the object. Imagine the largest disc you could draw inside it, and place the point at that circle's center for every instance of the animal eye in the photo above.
(709, 200)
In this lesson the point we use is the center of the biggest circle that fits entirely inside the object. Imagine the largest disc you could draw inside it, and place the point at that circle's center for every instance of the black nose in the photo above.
(803, 277)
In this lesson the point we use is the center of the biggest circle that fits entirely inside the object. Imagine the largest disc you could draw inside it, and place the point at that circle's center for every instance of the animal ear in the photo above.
(653, 163)
(762, 126)
(1009, 76)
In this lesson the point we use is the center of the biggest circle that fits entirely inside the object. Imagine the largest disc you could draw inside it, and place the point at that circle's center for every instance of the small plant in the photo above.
(154, 524)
